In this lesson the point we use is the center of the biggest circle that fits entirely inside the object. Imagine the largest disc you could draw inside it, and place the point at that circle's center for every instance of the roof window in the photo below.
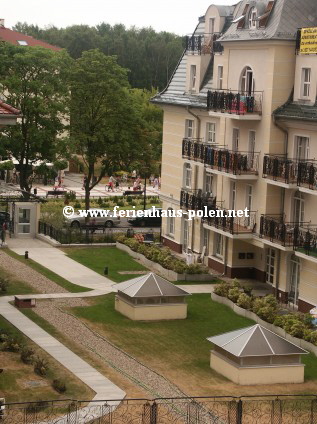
(22, 42)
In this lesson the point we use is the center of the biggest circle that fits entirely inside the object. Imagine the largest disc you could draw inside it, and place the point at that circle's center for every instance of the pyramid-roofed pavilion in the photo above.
(150, 297)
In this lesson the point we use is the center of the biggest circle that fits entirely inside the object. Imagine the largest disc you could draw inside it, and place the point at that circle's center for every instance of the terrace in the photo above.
(203, 44)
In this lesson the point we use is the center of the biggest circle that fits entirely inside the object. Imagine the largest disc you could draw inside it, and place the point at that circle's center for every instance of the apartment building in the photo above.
(241, 102)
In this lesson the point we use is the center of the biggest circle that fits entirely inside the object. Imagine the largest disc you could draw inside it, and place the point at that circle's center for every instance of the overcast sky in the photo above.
(178, 16)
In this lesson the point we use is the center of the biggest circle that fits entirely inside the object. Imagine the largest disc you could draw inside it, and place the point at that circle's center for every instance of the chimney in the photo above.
(1, 23)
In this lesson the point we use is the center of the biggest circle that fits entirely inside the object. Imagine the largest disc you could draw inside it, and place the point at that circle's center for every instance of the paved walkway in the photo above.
(57, 261)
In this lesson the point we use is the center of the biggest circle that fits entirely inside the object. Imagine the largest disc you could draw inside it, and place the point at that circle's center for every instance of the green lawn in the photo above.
(99, 258)
(73, 288)
(15, 286)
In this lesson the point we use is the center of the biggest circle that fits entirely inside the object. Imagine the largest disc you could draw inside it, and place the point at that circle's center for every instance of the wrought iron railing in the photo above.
(203, 44)
(275, 229)
(196, 200)
(279, 168)
(307, 174)
(268, 409)
(229, 161)
(228, 221)
(305, 239)
(235, 102)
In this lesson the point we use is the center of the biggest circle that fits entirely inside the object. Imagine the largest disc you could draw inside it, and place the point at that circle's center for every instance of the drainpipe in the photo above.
(284, 130)
(196, 173)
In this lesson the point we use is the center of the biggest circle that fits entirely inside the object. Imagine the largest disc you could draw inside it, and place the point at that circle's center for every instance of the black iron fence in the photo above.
(234, 102)
(305, 239)
(307, 174)
(229, 161)
(196, 200)
(203, 44)
(278, 168)
(227, 221)
(276, 230)
(269, 409)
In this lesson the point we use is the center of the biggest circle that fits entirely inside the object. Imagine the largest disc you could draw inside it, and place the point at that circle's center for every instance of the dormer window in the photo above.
(193, 77)
(252, 18)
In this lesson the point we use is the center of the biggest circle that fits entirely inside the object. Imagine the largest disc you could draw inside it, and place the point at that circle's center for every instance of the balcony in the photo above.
(235, 105)
(237, 227)
(242, 165)
(196, 200)
(307, 176)
(280, 170)
(305, 241)
(203, 44)
(275, 230)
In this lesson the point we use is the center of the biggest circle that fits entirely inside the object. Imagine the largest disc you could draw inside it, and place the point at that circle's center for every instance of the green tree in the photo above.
(34, 80)
(104, 126)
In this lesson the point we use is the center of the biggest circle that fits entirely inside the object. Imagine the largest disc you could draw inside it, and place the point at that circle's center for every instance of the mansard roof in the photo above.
(297, 111)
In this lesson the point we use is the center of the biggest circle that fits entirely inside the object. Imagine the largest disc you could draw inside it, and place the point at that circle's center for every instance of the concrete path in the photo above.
(197, 288)
(57, 261)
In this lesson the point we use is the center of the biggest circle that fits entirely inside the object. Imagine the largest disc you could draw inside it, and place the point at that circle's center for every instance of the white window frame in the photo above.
(218, 245)
(189, 128)
(208, 182)
(247, 81)
(185, 241)
(301, 147)
(299, 207)
(305, 83)
(206, 234)
(294, 279)
(212, 22)
(233, 196)
(252, 18)
(193, 77)
(270, 264)
(170, 224)
(220, 77)
(188, 173)
(210, 132)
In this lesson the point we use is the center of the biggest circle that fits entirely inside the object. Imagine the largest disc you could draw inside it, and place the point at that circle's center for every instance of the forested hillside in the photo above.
(150, 56)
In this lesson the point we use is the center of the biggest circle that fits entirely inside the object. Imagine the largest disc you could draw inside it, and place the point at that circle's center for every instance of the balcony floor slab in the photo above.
(245, 117)
(282, 184)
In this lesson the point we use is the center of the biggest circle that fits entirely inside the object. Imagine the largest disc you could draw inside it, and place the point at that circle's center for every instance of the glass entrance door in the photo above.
(270, 266)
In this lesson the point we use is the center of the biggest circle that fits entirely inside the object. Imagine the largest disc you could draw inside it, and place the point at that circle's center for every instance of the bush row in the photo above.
(268, 309)
(162, 256)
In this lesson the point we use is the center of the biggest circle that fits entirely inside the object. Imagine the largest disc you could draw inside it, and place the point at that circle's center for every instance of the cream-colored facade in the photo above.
(225, 151)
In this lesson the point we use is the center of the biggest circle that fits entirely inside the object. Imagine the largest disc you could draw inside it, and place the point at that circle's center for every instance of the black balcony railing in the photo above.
(203, 44)
(307, 174)
(234, 102)
(196, 200)
(278, 168)
(305, 239)
(226, 221)
(231, 162)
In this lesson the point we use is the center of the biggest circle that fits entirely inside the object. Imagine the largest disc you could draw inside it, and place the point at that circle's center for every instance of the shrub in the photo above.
(313, 337)
(40, 366)
(247, 290)
(234, 294)
(120, 203)
(100, 201)
(267, 313)
(297, 330)
(27, 355)
(129, 199)
(59, 385)
(222, 289)
(11, 344)
(35, 407)
(244, 301)
(236, 283)
(77, 205)
(4, 284)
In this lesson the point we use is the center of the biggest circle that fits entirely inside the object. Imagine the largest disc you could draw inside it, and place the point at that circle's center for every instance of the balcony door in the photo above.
(248, 204)
(301, 148)
(270, 266)
(235, 139)
(247, 82)
(298, 208)
(251, 156)
(294, 281)
(185, 235)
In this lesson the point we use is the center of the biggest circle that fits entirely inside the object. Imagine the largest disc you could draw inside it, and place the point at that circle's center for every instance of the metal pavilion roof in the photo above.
(11, 193)
(150, 285)
(255, 341)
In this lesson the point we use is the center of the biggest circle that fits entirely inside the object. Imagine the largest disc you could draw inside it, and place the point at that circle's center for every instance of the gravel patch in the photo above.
(24, 273)
(146, 378)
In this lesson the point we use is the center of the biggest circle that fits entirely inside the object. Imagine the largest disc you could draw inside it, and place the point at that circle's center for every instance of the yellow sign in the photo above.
(308, 41)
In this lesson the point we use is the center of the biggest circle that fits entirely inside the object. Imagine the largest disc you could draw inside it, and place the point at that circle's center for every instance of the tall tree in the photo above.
(33, 79)
(104, 127)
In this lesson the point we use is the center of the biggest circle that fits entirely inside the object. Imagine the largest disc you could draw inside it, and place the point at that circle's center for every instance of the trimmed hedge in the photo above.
(267, 308)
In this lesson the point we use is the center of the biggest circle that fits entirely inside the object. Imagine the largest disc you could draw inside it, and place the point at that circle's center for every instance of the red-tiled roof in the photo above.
(13, 37)
(8, 110)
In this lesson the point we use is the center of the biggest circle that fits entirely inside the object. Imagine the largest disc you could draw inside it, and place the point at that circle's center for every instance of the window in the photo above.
(24, 222)
(211, 25)
(22, 42)
(220, 77)
(185, 235)
(171, 223)
(247, 81)
(189, 128)
(192, 77)
(252, 18)
(233, 195)
(270, 266)
(298, 207)
(206, 241)
(248, 204)
(301, 148)
(251, 157)
(218, 245)
(208, 183)
(306, 74)
(188, 175)
(294, 280)
(210, 132)
(235, 139)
